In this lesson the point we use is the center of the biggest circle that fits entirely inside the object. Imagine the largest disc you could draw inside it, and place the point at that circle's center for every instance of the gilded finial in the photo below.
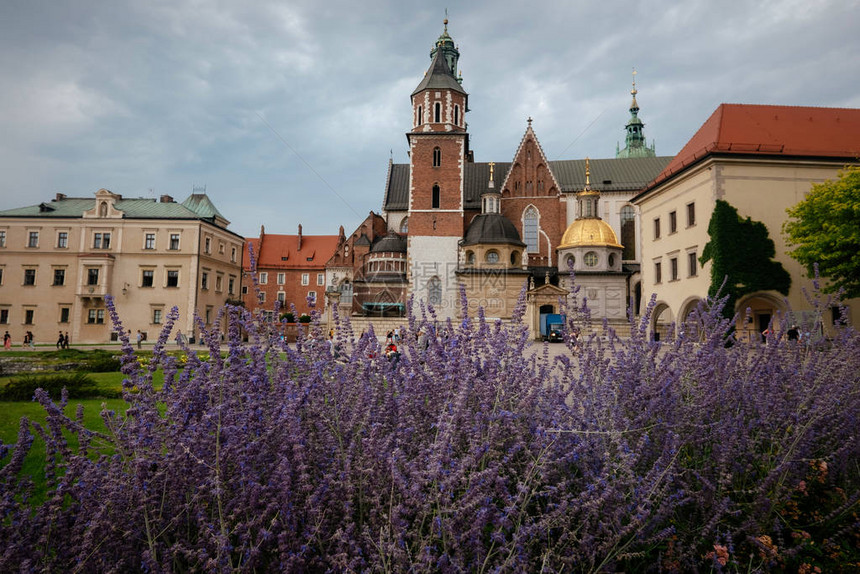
(492, 164)
(445, 21)
(587, 174)
(633, 92)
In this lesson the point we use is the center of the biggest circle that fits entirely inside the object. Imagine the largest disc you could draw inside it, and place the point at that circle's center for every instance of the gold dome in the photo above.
(589, 232)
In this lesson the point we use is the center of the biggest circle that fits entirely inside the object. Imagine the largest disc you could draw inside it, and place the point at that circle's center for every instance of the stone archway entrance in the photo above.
(540, 301)
(764, 310)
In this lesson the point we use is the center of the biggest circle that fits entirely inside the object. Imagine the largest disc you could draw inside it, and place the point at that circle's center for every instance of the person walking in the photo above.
(139, 338)
(7, 341)
(66, 340)
(60, 340)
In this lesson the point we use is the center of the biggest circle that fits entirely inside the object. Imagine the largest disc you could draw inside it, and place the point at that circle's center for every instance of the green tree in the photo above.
(741, 254)
(824, 228)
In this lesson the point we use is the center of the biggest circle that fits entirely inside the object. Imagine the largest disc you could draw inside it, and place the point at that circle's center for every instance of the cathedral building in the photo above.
(495, 227)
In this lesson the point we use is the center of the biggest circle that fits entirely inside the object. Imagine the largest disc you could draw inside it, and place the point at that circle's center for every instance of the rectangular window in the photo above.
(4, 316)
(208, 315)
(29, 276)
(658, 272)
(174, 242)
(693, 263)
(657, 228)
(1, 276)
(29, 316)
(282, 277)
(233, 254)
(147, 277)
(59, 276)
(149, 241)
(221, 247)
(93, 276)
(673, 264)
(691, 214)
(96, 316)
(62, 239)
(172, 278)
(101, 241)
(244, 289)
(261, 297)
(673, 222)
(33, 239)
(156, 316)
(2, 238)
(204, 280)
(64, 314)
(320, 278)
(306, 279)
(312, 296)
(207, 246)
(282, 297)
(263, 278)
(231, 284)
(219, 283)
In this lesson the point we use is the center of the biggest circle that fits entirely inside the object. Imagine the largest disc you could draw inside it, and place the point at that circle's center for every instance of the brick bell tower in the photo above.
(438, 151)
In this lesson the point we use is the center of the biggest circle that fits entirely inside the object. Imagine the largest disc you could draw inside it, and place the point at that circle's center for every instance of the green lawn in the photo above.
(12, 411)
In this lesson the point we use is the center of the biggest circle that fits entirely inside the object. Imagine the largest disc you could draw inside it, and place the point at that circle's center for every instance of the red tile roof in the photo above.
(746, 129)
(282, 251)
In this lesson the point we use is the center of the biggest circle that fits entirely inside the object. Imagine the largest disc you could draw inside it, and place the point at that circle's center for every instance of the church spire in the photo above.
(635, 144)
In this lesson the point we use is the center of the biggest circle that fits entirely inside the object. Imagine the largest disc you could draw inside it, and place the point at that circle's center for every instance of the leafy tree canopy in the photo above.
(824, 228)
(741, 254)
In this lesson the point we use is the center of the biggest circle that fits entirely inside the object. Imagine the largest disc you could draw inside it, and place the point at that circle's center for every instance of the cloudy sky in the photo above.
(288, 111)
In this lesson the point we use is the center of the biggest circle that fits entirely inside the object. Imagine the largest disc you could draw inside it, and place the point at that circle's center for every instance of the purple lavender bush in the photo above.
(472, 452)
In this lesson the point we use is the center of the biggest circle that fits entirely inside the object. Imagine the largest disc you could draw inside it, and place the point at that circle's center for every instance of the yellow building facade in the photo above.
(59, 261)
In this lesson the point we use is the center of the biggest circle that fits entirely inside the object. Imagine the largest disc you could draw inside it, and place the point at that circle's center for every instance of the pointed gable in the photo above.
(530, 174)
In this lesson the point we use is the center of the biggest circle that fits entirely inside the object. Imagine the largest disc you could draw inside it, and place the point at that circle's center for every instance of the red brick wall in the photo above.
(448, 176)
(294, 291)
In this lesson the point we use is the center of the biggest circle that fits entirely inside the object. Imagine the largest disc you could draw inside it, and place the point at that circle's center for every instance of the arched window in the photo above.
(404, 225)
(515, 257)
(437, 112)
(492, 257)
(470, 257)
(420, 115)
(434, 291)
(436, 197)
(437, 157)
(530, 229)
(628, 232)
(570, 261)
(456, 115)
(611, 260)
(590, 259)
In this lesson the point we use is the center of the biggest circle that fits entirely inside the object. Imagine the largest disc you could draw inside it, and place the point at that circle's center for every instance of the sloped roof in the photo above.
(492, 228)
(282, 252)
(776, 131)
(200, 204)
(132, 208)
(439, 76)
(616, 174)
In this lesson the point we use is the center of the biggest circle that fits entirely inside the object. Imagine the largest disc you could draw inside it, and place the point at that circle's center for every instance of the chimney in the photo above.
(165, 199)
(300, 237)
(60, 197)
